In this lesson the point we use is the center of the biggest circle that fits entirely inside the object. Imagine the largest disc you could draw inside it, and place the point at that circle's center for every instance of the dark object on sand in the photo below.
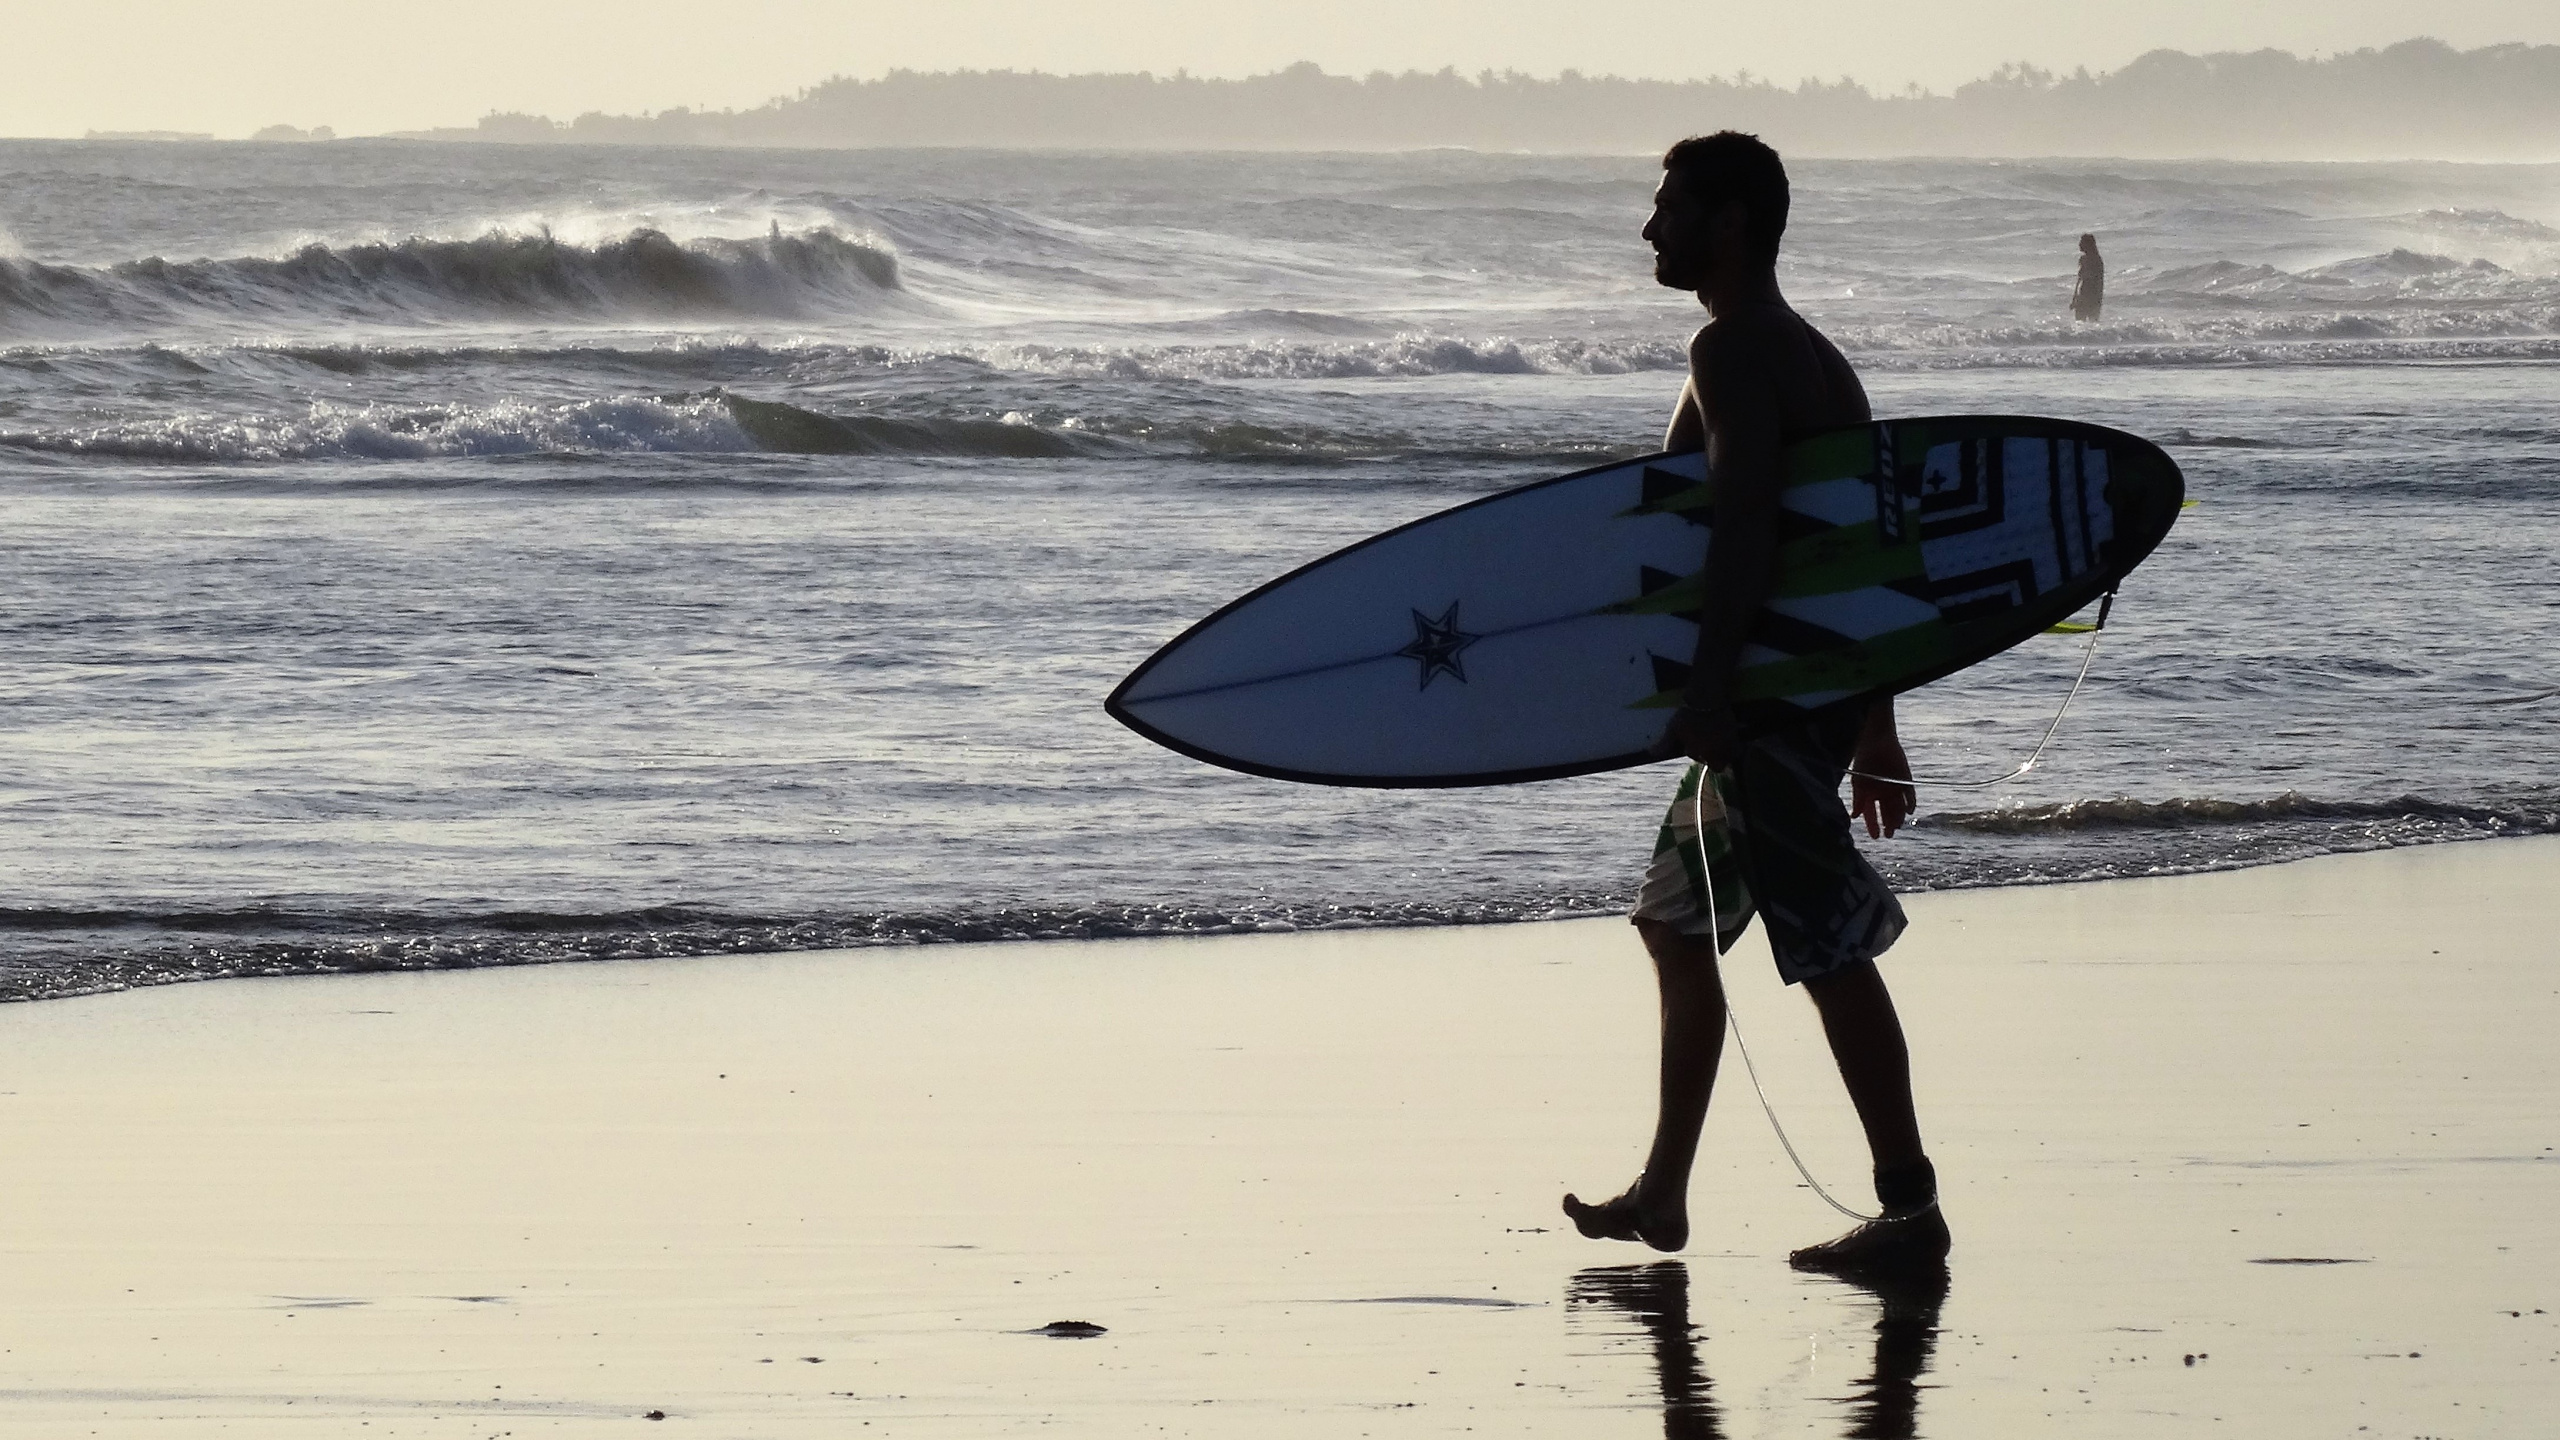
(1070, 1330)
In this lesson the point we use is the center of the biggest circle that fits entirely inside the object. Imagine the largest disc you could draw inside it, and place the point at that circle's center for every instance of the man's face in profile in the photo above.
(1678, 233)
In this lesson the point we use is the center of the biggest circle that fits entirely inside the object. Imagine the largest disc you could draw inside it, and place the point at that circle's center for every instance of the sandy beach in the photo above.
(1307, 1184)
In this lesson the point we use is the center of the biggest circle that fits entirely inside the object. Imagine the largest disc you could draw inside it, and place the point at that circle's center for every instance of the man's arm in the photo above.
(1880, 790)
(1688, 432)
(1740, 415)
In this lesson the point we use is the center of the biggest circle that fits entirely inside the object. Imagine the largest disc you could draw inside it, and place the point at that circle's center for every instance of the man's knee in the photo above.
(1666, 943)
(1682, 960)
(1850, 987)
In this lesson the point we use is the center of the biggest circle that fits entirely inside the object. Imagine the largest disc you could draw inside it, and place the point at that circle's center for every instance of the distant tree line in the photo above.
(2417, 99)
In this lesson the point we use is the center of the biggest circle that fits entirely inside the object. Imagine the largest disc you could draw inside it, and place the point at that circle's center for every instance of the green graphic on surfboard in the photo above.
(1544, 631)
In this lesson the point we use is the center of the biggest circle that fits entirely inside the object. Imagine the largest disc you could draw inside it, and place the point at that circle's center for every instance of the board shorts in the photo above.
(1777, 843)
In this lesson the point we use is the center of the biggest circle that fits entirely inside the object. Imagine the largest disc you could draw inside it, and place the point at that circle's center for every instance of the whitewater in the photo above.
(430, 555)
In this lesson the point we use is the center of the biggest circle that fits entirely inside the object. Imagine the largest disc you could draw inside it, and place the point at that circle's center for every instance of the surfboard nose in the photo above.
(2146, 490)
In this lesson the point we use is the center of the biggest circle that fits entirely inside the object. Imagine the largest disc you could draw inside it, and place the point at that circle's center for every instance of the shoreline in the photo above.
(1312, 1178)
(919, 938)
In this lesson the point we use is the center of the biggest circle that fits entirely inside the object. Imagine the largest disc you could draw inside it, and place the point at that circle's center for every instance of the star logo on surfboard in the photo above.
(1437, 645)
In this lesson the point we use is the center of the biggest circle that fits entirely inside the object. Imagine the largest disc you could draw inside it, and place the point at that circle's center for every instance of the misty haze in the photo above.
(2416, 99)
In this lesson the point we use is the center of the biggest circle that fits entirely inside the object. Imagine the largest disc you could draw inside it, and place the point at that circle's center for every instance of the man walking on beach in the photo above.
(1777, 838)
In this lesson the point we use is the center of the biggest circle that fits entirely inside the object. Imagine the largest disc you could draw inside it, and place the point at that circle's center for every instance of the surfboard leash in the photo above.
(2088, 656)
(1715, 931)
(1733, 1022)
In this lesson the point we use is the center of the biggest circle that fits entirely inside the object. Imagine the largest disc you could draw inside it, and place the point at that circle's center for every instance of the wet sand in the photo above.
(1307, 1185)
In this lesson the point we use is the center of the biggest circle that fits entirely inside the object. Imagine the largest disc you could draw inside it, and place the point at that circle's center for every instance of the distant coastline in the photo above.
(2419, 99)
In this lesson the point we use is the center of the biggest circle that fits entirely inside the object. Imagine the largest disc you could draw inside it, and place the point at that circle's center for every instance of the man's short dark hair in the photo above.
(1730, 165)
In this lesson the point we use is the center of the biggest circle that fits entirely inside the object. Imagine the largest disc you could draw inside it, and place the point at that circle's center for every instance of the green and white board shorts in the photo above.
(1777, 844)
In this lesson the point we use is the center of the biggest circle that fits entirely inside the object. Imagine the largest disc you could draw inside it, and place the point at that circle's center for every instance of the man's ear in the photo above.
(1730, 227)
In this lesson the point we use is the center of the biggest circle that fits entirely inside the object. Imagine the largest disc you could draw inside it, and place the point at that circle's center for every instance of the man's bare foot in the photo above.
(1912, 1242)
(1632, 1216)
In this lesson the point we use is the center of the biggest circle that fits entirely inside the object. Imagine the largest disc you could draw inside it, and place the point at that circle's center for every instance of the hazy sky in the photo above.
(235, 66)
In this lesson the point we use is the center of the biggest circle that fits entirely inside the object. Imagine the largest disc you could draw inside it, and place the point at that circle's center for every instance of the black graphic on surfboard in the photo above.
(1437, 644)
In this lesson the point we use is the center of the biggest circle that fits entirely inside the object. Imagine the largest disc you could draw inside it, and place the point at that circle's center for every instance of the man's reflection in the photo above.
(1885, 1405)
(1656, 1297)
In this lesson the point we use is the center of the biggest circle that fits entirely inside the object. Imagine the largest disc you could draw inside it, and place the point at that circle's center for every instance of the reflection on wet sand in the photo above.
(1656, 1298)
(1885, 1405)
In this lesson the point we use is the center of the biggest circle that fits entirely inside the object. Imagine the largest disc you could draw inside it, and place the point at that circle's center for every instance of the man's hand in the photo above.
(1885, 802)
(1707, 734)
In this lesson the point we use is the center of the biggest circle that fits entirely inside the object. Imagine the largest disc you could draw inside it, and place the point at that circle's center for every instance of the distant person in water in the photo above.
(2091, 291)
(1776, 836)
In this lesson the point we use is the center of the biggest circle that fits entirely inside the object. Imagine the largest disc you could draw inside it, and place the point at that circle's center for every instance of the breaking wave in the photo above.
(791, 430)
(2532, 815)
(2400, 275)
(718, 422)
(1401, 357)
(2016, 351)
(625, 424)
(55, 953)
(643, 274)
(50, 953)
(2401, 305)
(2146, 337)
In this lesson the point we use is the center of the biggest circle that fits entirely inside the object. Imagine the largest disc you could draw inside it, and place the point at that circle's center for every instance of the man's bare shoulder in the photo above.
(1774, 354)
(1736, 356)
(1844, 397)
(1746, 332)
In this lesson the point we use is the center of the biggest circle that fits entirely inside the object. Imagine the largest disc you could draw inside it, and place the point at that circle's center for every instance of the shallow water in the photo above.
(445, 555)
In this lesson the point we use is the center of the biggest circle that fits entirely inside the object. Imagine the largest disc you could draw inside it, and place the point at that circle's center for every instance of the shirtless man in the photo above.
(1777, 839)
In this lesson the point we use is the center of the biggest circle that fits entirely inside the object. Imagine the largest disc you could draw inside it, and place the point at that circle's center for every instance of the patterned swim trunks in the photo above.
(1777, 842)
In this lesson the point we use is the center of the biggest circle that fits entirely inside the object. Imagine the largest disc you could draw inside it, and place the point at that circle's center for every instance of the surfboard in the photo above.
(1546, 631)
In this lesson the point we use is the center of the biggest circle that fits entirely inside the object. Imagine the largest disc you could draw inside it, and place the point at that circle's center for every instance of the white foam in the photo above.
(380, 432)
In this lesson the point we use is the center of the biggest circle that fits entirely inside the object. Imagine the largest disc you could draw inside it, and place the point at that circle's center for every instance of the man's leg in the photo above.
(1655, 1209)
(1866, 1041)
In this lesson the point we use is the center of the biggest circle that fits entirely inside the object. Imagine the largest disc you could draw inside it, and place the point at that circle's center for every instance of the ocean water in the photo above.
(424, 555)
